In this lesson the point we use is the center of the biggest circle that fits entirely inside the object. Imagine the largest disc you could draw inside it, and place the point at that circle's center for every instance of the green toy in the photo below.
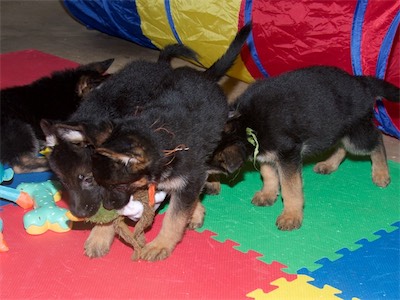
(103, 216)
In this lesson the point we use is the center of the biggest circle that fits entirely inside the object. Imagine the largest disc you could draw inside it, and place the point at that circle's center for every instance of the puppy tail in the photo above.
(382, 88)
(223, 64)
(175, 51)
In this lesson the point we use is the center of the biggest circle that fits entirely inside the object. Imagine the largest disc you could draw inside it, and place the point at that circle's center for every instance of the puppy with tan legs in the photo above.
(304, 113)
(167, 145)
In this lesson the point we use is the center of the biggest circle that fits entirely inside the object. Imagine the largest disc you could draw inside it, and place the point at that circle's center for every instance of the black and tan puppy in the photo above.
(55, 97)
(126, 93)
(168, 145)
(303, 113)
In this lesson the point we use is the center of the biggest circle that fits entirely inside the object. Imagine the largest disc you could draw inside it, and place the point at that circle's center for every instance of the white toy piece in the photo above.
(134, 209)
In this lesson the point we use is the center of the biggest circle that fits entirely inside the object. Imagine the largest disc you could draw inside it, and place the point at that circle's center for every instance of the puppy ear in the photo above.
(87, 83)
(92, 76)
(230, 125)
(49, 132)
(83, 134)
(73, 133)
(97, 134)
(84, 85)
(135, 160)
(231, 158)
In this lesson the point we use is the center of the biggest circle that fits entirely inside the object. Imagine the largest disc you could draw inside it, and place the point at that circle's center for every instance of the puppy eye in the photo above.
(85, 179)
(81, 144)
(88, 180)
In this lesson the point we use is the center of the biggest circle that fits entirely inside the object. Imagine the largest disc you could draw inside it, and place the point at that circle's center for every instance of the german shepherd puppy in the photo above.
(126, 93)
(303, 113)
(168, 145)
(55, 97)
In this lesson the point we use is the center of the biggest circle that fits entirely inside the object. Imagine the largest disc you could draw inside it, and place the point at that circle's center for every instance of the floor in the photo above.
(46, 26)
(223, 244)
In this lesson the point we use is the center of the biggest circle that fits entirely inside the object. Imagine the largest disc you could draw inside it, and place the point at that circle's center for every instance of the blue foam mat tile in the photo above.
(370, 272)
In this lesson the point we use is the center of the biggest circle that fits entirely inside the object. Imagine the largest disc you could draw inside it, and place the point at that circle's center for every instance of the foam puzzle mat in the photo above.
(347, 248)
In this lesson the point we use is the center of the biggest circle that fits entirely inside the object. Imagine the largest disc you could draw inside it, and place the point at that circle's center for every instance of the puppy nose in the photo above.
(88, 180)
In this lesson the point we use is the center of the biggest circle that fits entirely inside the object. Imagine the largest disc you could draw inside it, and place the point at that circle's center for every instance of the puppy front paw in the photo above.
(212, 188)
(289, 221)
(324, 168)
(264, 198)
(197, 219)
(155, 252)
(94, 250)
(99, 241)
(381, 179)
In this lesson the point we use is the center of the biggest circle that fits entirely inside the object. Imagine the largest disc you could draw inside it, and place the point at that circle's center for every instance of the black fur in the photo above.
(303, 113)
(54, 97)
(126, 93)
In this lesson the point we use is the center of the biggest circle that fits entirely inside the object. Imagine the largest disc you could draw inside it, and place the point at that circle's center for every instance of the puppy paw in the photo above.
(381, 179)
(324, 168)
(154, 252)
(212, 188)
(96, 248)
(99, 241)
(289, 221)
(194, 224)
(197, 219)
(264, 199)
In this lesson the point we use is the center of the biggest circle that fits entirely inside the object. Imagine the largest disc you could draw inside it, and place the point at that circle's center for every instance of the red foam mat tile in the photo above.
(52, 265)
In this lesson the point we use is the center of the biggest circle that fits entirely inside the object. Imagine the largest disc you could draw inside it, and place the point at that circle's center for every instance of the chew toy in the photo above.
(46, 215)
(141, 208)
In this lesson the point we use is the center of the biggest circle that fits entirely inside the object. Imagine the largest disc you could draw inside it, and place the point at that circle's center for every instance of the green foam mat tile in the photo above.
(340, 209)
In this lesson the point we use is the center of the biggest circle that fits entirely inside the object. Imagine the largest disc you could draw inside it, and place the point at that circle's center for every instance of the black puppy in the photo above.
(168, 145)
(55, 97)
(126, 93)
(303, 113)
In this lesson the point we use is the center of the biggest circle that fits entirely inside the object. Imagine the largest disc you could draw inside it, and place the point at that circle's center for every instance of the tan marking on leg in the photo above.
(380, 171)
(270, 190)
(293, 200)
(197, 219)
(100, 240)
(332, 163)
(171, 233)
(30, 164)
(212, 185)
